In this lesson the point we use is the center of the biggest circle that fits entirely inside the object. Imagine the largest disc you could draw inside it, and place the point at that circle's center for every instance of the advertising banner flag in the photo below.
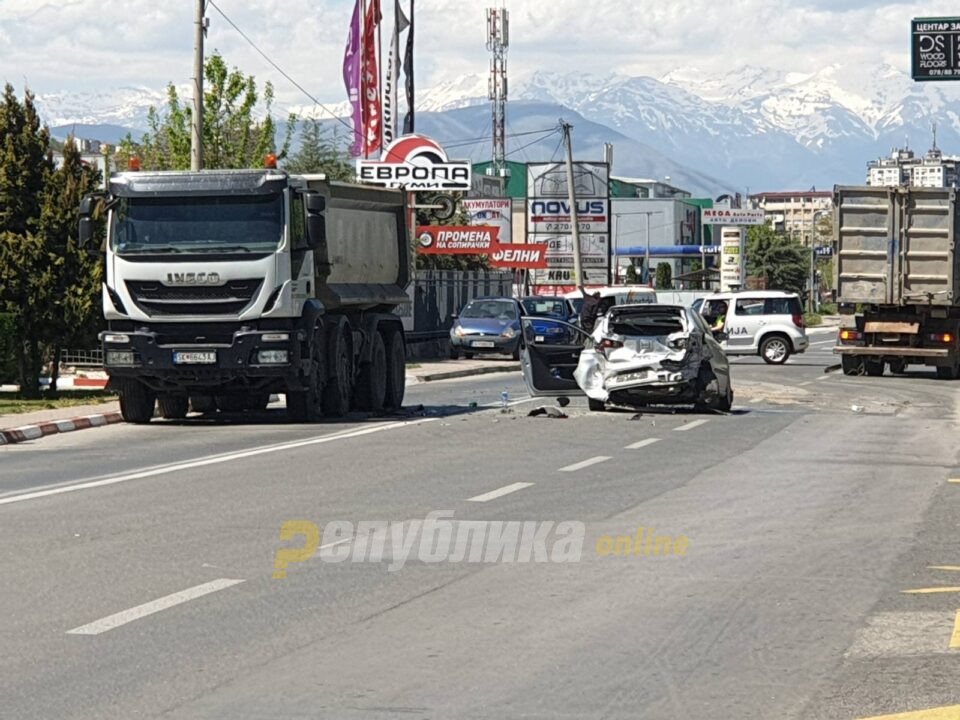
(408, 124)
(351, 80)
(372, 120)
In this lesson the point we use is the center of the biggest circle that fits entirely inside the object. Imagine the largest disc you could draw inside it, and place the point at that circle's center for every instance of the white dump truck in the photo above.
(222, 287)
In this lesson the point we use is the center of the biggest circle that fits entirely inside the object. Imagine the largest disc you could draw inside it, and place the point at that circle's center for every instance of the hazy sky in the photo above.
(100, 45)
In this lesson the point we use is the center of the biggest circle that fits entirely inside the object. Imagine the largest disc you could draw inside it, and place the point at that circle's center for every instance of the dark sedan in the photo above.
(487, 325)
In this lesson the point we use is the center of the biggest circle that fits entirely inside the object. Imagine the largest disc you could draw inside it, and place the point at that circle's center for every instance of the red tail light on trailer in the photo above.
(848, 335)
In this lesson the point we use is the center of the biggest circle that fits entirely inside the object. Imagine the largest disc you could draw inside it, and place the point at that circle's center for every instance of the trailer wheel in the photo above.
(396, 370)
(873, 368)
(136, 401)
(851, 365)
(339, 387)
(372, 383)
(173, 407)
(306, 406)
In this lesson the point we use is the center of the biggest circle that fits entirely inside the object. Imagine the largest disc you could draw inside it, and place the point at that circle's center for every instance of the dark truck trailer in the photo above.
(897, 264)
(223, 287)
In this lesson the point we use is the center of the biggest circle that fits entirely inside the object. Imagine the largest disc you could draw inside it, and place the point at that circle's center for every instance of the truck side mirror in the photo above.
(85, 229)
(316, 206)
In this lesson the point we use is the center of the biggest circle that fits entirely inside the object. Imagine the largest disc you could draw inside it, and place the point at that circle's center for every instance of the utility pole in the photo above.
(572, 199)
(498, 40)
(196, 126)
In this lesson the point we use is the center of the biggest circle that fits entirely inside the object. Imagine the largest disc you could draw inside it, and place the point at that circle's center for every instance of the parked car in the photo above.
(767, 323)
(637, 355)
(556, 308)
(621, 294)
(487, 325)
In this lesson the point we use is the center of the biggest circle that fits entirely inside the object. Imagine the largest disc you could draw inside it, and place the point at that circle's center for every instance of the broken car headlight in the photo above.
(677, 343)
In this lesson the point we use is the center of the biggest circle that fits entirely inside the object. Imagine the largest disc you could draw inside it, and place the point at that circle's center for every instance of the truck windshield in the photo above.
(229, 224)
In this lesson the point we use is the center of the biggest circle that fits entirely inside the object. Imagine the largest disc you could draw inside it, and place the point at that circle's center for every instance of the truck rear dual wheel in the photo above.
(173, 407)
(136, 401)
(339, 388)
(372, 383)
(873, 368)
(851, 365)
(948, 372)
(396, 370)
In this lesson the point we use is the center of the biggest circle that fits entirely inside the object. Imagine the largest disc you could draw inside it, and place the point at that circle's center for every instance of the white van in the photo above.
(768, 323)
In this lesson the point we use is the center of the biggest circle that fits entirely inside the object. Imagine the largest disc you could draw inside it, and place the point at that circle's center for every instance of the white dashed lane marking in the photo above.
(500, 492)
(584, 464)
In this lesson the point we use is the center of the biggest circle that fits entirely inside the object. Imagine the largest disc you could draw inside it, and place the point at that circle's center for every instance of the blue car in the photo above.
(549, 308)
(487, 325)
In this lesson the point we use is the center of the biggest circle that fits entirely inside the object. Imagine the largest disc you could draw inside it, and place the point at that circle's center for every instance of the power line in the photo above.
(534, 142)
(279, 69)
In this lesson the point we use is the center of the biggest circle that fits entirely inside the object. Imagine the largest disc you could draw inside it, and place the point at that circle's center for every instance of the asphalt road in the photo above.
(138, 561)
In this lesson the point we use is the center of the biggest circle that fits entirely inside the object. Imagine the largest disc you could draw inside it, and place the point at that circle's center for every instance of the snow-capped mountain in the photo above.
(756, 127)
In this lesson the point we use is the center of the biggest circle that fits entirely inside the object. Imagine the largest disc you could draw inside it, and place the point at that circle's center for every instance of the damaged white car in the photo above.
(637, 355)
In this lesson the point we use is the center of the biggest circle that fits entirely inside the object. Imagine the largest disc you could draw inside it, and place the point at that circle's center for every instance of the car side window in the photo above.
(748, 306)
(778, 306)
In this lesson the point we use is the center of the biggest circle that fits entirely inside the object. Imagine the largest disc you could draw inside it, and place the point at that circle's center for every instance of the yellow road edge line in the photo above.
(925, 591)
(955, 638)
(951, 712)
(954, 480)
(951, 568)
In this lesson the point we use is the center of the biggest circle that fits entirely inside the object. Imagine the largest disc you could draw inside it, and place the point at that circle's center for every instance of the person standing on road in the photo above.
(589, 310)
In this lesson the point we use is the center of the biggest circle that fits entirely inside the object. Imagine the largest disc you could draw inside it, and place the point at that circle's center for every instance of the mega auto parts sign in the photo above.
(732, 216)
(415, 162)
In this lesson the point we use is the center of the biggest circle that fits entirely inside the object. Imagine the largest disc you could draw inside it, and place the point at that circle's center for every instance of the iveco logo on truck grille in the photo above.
(181, 279)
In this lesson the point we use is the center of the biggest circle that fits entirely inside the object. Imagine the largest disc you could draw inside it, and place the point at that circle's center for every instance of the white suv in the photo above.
(767, 323)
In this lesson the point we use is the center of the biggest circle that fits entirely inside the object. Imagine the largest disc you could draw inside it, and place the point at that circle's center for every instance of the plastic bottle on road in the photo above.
(504, 401)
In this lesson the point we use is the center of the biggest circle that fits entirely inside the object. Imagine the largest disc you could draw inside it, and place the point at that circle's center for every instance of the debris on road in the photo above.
(547, 411)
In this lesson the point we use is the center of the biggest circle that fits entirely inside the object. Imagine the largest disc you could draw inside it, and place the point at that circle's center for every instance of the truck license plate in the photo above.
(482, 343)
(195, 358)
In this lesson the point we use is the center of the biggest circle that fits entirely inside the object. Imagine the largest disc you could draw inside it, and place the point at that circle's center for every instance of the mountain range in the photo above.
(748, 129)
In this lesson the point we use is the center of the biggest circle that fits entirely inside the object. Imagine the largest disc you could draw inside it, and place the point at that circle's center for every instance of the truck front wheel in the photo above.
(136, 401)
(307, 405)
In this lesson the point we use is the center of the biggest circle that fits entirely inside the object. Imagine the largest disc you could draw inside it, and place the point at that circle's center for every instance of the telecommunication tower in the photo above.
(498, 39)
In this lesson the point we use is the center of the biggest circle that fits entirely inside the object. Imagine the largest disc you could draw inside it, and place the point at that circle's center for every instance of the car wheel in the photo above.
(775, 349)
(725, 404)
(873, 368)
(454, 353)
(516, 352)
(596, 405)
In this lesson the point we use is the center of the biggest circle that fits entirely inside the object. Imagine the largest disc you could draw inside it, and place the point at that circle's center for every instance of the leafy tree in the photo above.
(782, 262)
(76, 275)
(320, 153)
(236, 132)
(664, 277)
(25, 273)
(631, 274)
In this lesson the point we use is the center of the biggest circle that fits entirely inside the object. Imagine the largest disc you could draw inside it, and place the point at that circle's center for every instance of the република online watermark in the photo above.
(439, 538)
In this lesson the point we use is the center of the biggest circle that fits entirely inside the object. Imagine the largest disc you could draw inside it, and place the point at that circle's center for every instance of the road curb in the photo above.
(451, 374)
(54, 427)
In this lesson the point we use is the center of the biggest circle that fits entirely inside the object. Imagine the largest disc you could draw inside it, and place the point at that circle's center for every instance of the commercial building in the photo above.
(671, 228)
(795, 213)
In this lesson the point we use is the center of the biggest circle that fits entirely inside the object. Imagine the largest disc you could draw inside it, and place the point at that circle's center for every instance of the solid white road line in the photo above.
(690, 425)
(584, 463)
(500, 492)
(205, 461)
(642, 444)
(140, 611)
(823, 377)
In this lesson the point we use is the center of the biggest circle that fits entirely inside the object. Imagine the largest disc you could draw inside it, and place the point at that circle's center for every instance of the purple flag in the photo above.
(351, 80)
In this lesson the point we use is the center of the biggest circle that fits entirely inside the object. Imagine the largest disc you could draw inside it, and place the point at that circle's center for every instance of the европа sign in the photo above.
(935, 48)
